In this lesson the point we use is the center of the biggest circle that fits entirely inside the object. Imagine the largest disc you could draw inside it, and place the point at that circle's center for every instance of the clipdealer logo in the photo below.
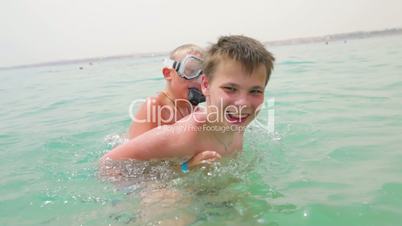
(154, 114)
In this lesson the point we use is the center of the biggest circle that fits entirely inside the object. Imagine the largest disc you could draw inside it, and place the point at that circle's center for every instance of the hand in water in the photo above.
(205, 157)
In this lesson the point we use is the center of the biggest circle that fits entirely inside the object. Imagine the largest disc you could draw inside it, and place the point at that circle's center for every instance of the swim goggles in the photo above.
(190, 67)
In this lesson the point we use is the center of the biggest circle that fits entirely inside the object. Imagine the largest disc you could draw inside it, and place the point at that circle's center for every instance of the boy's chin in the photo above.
(237, 123)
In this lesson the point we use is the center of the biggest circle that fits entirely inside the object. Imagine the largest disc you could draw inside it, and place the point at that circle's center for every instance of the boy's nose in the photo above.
(242, 100)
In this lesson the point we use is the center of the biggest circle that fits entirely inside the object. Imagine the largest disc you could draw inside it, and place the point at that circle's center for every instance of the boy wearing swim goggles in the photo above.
(236, 73)
(181, 72)
(190, 67)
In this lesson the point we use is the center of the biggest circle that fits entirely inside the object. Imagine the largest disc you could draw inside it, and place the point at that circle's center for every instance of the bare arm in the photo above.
(138, 128)
(142, 121)
(163, 142)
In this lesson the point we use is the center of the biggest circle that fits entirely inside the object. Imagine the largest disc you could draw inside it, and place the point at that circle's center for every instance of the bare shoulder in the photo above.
(144, 105)
(188, 130)
(193, 122)
(199, 116)
(143, 120)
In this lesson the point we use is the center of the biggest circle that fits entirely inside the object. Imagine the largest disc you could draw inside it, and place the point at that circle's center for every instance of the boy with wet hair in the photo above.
(236, 72)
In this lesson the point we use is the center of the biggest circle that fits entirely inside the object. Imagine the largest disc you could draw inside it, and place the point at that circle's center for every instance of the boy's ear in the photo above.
(166, 73)
(204, 85)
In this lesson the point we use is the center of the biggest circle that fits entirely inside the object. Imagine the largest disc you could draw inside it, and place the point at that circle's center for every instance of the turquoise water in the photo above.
(335, 157)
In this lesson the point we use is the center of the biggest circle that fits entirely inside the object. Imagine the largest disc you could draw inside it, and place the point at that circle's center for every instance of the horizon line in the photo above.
(282, 42)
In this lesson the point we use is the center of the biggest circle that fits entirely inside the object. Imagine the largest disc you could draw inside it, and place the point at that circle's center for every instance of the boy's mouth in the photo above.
(234, 118)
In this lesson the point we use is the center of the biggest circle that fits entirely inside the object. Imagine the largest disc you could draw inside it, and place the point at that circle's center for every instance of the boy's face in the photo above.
(235, 96)
(179, 85)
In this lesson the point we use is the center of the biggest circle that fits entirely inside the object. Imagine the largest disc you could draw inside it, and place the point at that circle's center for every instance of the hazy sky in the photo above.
(35, 31)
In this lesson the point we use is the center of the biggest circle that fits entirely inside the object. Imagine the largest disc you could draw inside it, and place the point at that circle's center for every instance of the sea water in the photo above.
(325, 150)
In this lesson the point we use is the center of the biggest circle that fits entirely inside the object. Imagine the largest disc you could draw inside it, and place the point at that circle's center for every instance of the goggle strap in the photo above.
(168, 62)
(172, 63)
(176, 65)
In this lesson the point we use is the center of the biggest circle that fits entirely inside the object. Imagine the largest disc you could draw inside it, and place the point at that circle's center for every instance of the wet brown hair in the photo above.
(249, 52)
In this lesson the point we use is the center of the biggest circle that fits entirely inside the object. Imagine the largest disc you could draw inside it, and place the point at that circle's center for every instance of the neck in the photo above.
(218, 129)
(180, 102)
(222, 129)
(169, 92)
(181, 107)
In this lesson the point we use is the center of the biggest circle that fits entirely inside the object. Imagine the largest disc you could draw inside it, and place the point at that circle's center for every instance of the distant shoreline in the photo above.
(336, 37)
(295, 41)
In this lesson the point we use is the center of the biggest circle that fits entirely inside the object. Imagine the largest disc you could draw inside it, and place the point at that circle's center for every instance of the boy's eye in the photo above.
(229, 88)
(256, 92)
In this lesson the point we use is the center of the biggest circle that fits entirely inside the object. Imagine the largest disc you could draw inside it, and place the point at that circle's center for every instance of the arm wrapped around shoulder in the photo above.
(164, 142)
